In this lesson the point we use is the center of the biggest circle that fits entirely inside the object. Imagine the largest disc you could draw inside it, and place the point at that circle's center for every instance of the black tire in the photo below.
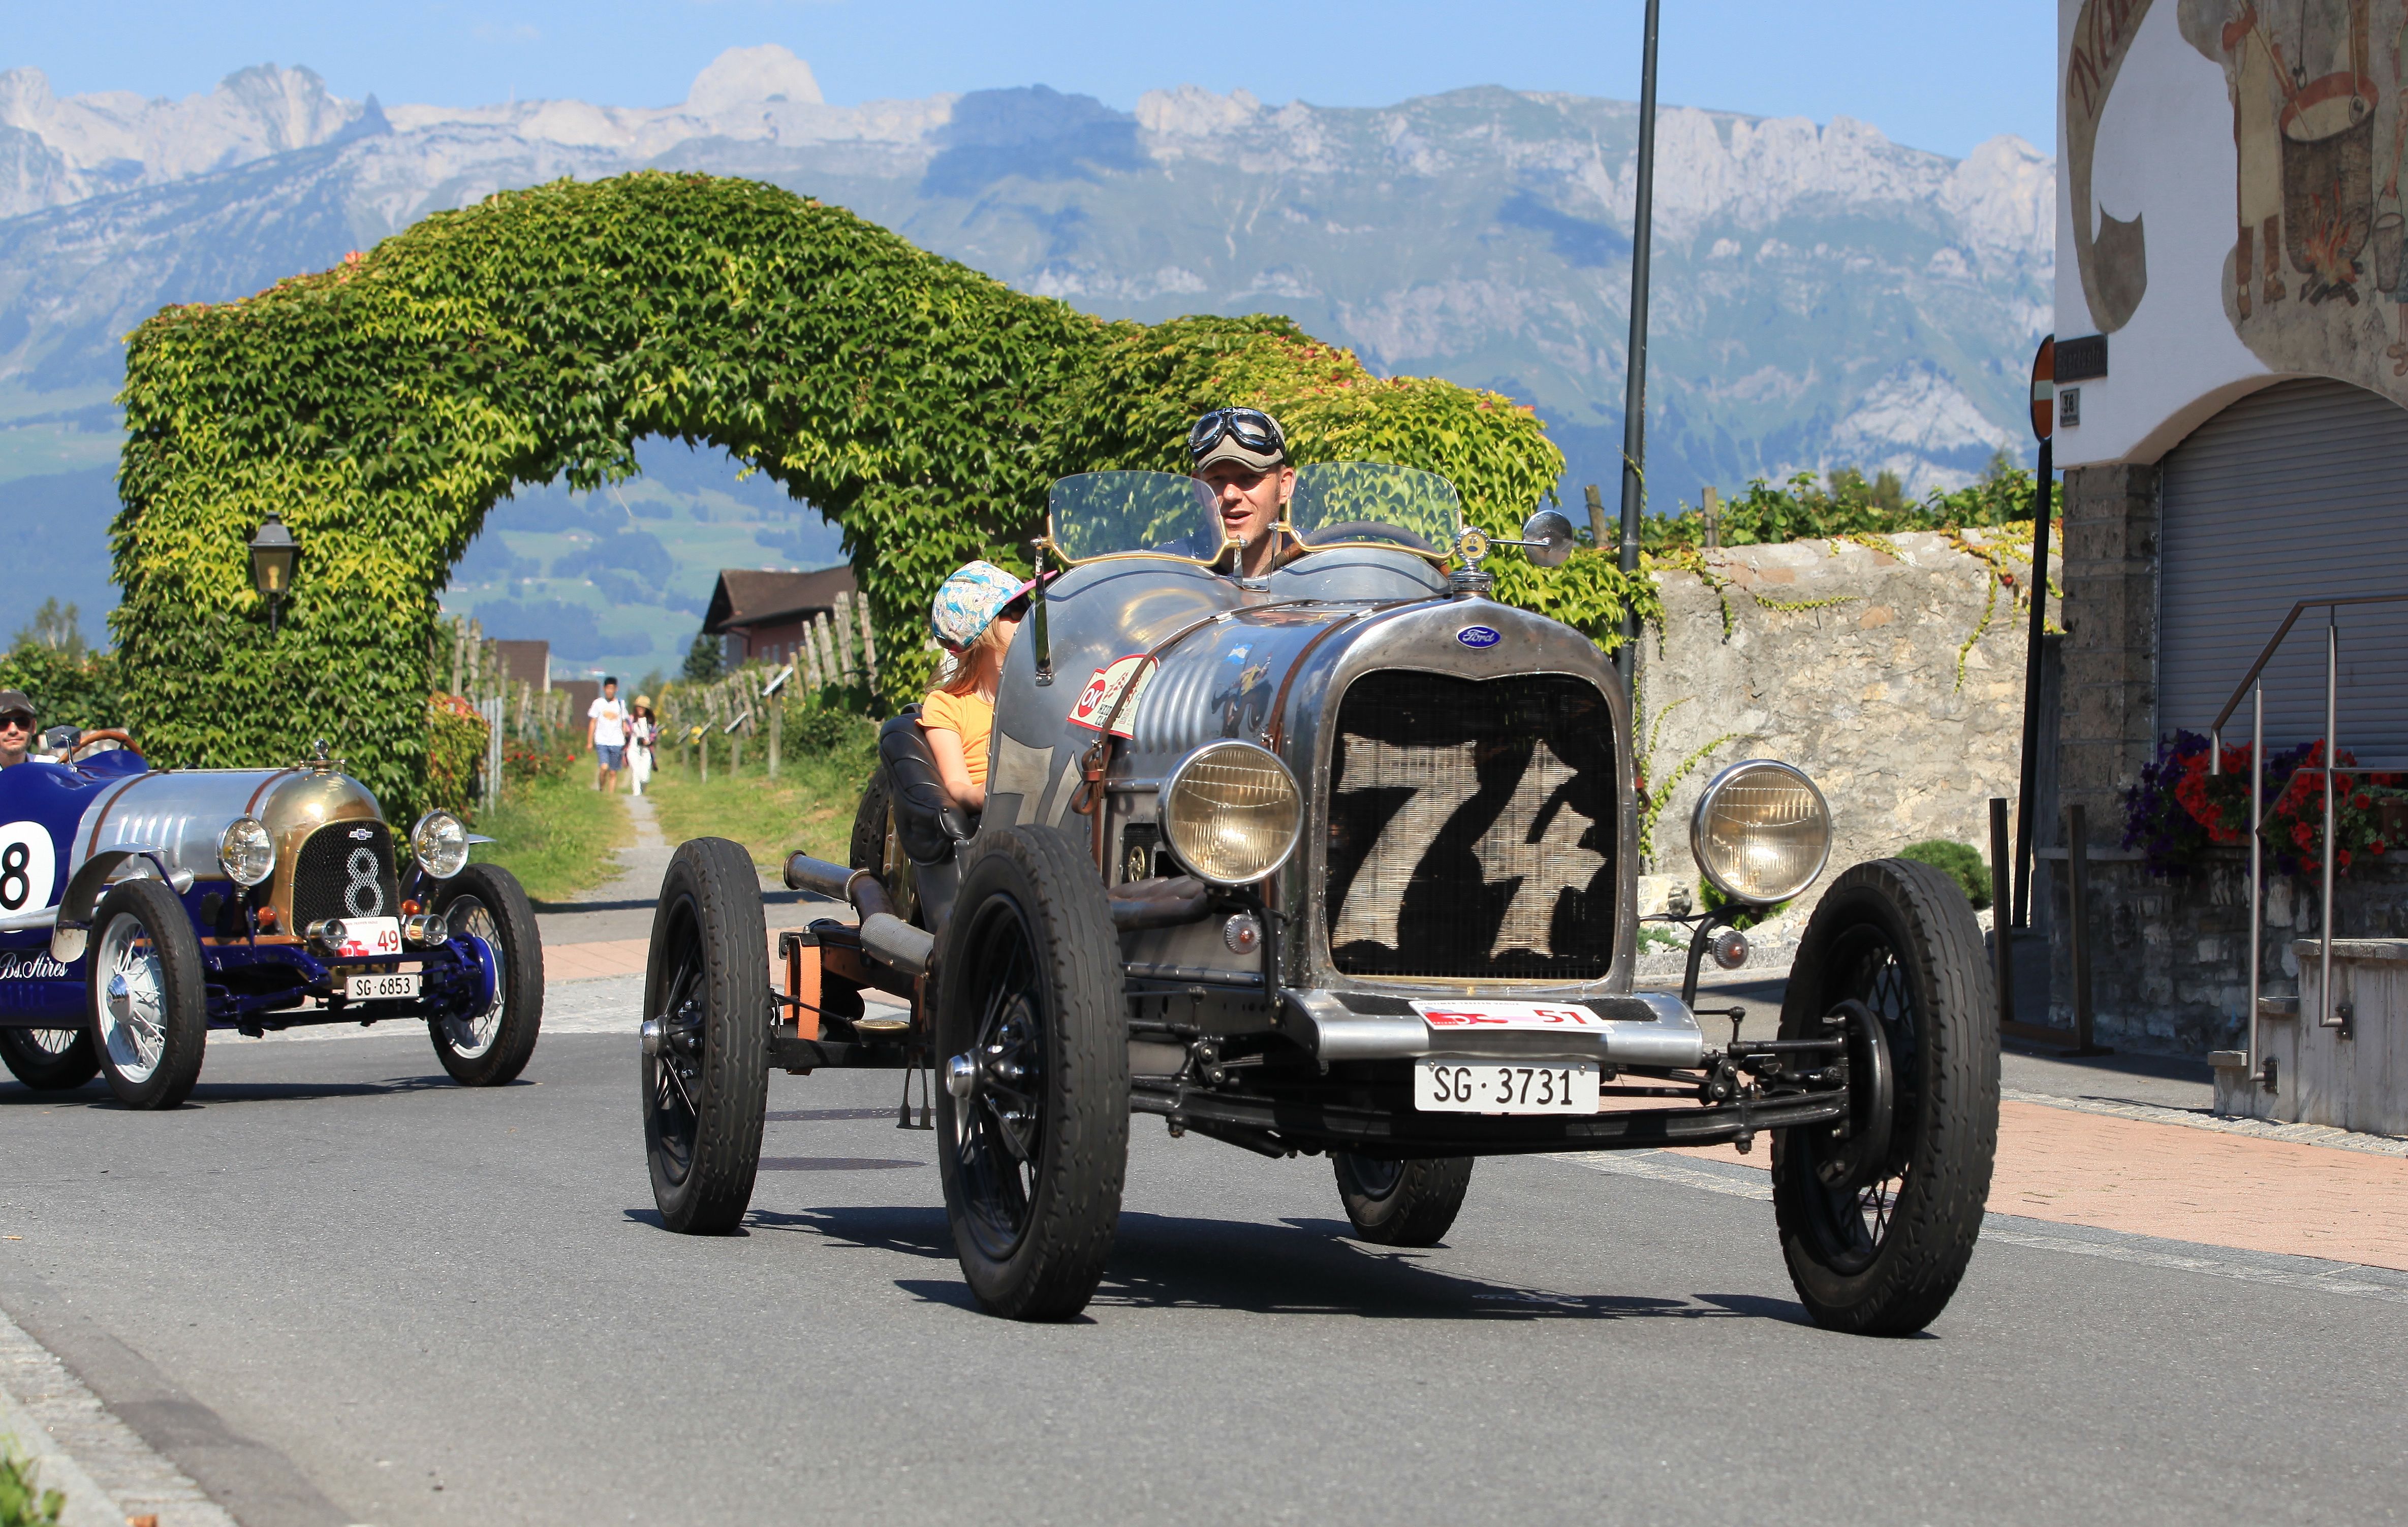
(50, 1060)
(144, 999)
(1881, 1255)
(706, 1063)
(1401, 1203)
(490, 1049)
(1029, 980)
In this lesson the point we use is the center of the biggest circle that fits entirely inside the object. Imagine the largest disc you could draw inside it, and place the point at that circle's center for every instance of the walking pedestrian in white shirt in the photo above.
(605, 732)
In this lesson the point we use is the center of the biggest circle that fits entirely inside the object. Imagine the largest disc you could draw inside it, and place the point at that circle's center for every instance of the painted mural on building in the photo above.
(2315, 268)
(2313, 281)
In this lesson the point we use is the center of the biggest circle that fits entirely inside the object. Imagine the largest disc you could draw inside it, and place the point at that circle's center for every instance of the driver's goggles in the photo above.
(1253, 428)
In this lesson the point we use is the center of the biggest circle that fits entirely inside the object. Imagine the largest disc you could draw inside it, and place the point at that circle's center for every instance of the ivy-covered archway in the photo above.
(382, 407)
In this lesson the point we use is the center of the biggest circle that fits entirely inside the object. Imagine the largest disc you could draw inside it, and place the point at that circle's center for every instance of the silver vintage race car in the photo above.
(141, 907)
(1339, 861)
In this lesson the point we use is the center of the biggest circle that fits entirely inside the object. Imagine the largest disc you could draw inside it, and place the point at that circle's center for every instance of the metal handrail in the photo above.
(2251, 685)
(2284, 630)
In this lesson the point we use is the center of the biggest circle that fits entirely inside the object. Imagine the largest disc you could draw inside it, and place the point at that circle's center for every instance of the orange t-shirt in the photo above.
(965, 714)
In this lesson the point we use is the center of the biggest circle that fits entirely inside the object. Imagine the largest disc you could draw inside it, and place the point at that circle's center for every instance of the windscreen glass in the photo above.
(1374, 504)
(1121, 514)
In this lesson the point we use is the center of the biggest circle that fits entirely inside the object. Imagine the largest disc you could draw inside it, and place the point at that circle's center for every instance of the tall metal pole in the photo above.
(2028, 786)
(2044, 422)
(1634, 398)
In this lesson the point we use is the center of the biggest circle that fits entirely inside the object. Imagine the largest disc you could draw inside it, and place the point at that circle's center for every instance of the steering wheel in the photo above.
(106, 733)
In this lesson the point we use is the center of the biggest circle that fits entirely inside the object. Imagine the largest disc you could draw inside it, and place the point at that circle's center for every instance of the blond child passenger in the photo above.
(974, 617)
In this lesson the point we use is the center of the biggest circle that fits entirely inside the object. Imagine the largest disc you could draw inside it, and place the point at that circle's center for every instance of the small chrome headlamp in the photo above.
(247, 852)
(1761, 831)
(440, 844)
(1231, 812)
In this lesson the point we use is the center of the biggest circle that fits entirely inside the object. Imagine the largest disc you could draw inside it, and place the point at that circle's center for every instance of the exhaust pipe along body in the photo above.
(883, 935)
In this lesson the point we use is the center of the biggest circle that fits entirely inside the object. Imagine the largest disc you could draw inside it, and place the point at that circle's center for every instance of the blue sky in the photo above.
(1937, 73)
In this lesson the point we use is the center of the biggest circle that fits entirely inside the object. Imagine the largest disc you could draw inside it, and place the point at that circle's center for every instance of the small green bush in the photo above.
(1960, 861)
(456, 749)
(21, 1504)
(826, 725)
(1714, 901)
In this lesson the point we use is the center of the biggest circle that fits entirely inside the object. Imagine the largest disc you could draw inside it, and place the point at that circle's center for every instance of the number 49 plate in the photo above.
(1498, 1087)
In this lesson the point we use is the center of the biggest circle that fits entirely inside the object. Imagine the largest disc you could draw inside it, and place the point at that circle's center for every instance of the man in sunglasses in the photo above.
(1240, 455)
(17, 724)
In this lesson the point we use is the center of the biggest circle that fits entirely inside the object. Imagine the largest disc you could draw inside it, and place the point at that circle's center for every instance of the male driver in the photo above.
(605, 732)
(1240, 455)
(15, 727)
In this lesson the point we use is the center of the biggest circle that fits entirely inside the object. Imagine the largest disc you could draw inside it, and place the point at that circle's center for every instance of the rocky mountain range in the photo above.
(1822, 297)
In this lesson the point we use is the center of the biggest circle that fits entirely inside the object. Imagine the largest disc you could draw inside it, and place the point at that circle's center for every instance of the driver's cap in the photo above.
(13, 702)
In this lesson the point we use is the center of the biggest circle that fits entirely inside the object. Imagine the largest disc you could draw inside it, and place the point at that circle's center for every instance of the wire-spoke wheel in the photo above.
(50, 1060)
(1879, 1216)
(706, 1038)
(489, 1048)
(1401, 1203)
(150, 1012)
(1033, 1118)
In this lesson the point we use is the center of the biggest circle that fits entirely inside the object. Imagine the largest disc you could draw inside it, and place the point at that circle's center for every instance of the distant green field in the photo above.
(617, 580)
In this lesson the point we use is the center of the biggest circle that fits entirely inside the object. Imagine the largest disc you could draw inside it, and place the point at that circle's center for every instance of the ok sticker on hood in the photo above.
(1095, 702)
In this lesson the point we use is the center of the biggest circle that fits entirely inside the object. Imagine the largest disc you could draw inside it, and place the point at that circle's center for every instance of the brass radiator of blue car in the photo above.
(1471, 828)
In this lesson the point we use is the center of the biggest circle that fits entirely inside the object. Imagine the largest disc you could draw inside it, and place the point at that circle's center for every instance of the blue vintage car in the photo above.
(141, 907)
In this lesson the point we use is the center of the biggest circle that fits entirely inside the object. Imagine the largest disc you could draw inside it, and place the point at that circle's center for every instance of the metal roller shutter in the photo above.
(2300, 491)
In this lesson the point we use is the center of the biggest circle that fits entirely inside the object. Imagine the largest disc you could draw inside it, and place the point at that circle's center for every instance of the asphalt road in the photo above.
(338, 1288)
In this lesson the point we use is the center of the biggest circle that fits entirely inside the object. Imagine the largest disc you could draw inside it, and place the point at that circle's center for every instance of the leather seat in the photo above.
(930, 827)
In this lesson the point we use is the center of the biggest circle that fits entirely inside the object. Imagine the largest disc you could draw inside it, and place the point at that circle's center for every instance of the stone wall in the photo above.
(2170, 963)
(1842, 657)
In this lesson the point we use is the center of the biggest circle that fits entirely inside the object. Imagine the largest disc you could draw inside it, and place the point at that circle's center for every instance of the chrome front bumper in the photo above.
(1646, 1028)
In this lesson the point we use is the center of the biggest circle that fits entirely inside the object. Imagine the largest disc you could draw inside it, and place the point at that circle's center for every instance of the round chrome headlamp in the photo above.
(1761, 831)
(1231, 812)
(440, 844)
(247, 852)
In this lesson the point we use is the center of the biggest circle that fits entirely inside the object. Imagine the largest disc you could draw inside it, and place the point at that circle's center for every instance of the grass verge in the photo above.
(555, 835)
(809, 807)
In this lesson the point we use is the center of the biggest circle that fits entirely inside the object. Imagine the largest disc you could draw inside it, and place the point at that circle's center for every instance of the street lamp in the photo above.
(273, 552)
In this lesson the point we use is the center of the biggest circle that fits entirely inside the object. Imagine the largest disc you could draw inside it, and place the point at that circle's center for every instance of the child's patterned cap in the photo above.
(969, 601)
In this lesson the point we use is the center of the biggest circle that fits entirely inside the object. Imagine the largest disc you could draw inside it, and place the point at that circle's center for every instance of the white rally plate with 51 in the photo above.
(1480, 1086)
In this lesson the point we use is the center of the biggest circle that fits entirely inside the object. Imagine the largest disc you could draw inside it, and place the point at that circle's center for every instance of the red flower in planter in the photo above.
(2302, 835)
(2341, 860)
(2361, 800)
